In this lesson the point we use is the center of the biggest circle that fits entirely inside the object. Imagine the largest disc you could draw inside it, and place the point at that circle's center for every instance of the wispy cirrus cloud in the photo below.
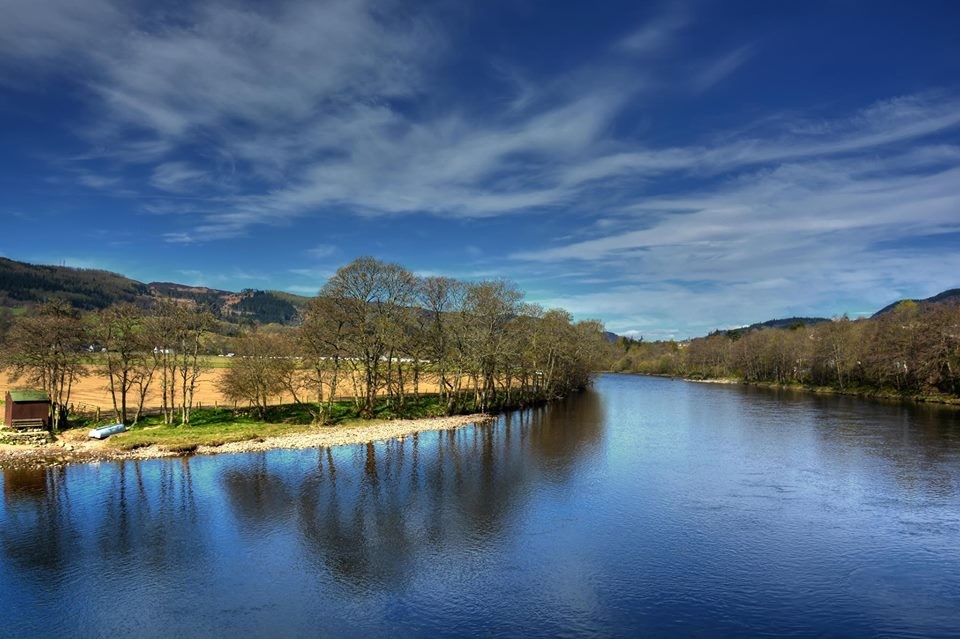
(304, 100)
(845, 233)
(857, 171)
(322, 251)
(720, 68)
(657, 34)
(45, 32)
(177, 177)
(223, 118)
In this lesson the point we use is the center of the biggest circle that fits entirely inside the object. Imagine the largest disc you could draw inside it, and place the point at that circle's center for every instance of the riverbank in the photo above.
(73, 446)
(829, 390)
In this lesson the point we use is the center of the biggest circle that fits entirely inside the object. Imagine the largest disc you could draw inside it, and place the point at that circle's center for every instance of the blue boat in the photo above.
(105, 431)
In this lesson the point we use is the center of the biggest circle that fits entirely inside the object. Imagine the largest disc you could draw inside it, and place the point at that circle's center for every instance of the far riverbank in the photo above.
(828, 390)
(863, 393)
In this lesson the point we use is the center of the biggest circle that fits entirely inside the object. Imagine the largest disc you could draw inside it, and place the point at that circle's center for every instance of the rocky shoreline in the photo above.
(74, 447)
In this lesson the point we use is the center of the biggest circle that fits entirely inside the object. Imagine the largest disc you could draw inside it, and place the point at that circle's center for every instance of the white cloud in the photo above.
(298, 97)
(46, 31)
(177, 177)
(321, 251)
(286, 63)
(792, 201)
(836, 234)
(719, 69)
(657, 34)
(98, 181)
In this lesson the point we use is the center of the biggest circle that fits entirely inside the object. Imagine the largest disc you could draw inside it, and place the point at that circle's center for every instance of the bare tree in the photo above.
(46, 349)
(177, 332)
(192, 324)
(441, 299)
(260, 372)
(120, 330)
(489, 307)
(367, 297)
(322, 339)
(161, 333)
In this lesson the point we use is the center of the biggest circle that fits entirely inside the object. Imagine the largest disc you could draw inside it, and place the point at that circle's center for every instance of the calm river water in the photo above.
(646, 507)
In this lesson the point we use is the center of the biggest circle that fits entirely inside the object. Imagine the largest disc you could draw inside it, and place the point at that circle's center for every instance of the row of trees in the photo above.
(375, 330)
(913, 349)
(382, 332)
(136, 351)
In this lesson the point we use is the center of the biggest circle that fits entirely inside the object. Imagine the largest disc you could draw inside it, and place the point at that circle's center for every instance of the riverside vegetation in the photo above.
(377, 342)
(912, 350)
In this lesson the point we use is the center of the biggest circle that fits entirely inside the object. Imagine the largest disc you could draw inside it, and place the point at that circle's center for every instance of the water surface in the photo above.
(646, 507)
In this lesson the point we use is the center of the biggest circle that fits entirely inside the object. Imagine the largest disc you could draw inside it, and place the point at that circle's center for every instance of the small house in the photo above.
(25, 409)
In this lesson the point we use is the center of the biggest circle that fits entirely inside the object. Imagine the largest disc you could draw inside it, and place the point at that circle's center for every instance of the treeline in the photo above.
(137, 351)
(913, 349)
(384, 333)
(374, 329)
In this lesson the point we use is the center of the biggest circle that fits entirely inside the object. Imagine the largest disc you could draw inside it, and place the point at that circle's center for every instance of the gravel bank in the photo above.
(74, 447)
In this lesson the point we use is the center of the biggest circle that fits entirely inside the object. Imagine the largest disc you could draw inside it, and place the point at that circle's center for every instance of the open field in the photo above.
(92, 391)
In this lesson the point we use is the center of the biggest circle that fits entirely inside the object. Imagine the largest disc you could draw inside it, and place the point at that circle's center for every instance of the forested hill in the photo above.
(951, 295)
(23, 285)
(787, 322)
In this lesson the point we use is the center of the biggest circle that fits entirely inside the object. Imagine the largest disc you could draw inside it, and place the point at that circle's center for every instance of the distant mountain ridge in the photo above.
(786, 322)
(23, 284)
(950, 295)
(944, 297)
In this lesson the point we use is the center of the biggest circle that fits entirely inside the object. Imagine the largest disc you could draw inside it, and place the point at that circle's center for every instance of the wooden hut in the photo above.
(27, 410)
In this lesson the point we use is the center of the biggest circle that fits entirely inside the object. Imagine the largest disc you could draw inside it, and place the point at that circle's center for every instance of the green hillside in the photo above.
(23, 285)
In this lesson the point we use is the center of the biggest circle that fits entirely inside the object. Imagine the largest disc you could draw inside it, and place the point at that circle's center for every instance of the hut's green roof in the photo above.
(28, 396)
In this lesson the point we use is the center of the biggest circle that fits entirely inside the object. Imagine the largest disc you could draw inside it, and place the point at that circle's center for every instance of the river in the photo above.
(644, 507)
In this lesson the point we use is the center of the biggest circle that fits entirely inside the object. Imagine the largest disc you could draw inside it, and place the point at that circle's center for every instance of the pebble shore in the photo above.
(73, 447)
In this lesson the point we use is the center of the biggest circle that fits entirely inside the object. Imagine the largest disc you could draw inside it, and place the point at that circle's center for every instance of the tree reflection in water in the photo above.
(914, 441)
(365, 513)
(130, 518)
(382, 507)
(37, 533)
(362, 514)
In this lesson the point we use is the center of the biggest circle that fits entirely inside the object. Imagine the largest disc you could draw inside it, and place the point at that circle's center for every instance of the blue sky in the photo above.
(669, 168)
